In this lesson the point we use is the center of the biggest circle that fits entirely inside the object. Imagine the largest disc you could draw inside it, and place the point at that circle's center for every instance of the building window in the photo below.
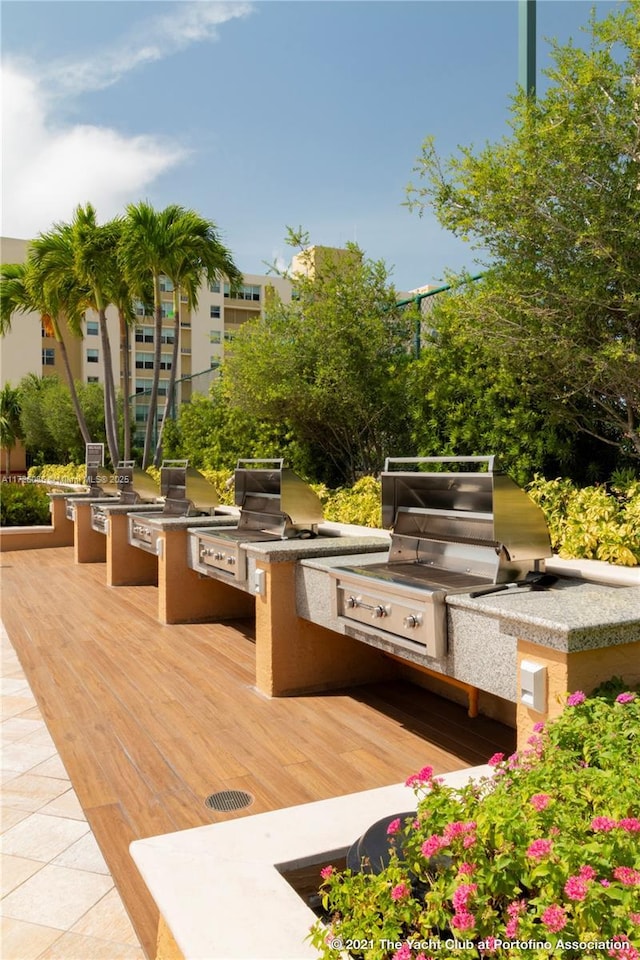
(92, 356)
(166, 285)
(92, 328)
(214, 313)
(144, 361)
(144, 334)
(215, 336)
(48, 357)
(248, 291)
(93, 379)
(167, 311)
(139, 309)
(214, 287)
(229, 335)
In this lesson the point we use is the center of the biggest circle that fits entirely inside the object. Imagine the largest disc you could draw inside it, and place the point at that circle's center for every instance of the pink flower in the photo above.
(495, 759)
(540, 800)
(539, 849)
(605, 883)
(575, 699)
(554, 918)
(404, 953)
(467, 868)
(516, 907)
(603, 824)
(576, 888)
(461, 896)
(628, 876)
(400, 891)
(417, 779)
(630, 824)
(587, 872)
(327, 872)
(433, 845)
(538, 727)
(490, 945)
(393, 827)
(511, 929)
(463, 920)
(625, 698)
(458, 828)
(635, 918)
(469, 840)
(627, 952)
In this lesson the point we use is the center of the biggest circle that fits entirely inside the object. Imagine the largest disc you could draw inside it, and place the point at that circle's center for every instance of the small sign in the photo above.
(94, 455)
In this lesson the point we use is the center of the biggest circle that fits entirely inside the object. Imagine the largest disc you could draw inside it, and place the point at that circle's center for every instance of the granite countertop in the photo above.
(326, 563)
(572, 615)
(108, 507)
(282, 551)
(166, 522)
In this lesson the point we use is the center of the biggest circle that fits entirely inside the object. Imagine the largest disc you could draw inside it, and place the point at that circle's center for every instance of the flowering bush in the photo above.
(542, 860)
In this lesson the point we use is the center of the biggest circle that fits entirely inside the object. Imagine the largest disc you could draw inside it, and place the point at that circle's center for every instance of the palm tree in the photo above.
(96, 266)
(23, 289)
(197, 253)
(143, 254)
(179, 244)
(10, 427)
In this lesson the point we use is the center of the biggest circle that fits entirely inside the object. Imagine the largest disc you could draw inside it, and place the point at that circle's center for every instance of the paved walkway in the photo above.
(58, 899)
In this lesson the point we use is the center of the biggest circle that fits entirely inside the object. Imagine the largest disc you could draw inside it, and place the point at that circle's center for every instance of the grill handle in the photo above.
(488, 460)
(273, 460)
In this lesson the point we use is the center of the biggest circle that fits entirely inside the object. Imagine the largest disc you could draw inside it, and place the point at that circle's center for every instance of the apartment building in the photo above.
(204, 333)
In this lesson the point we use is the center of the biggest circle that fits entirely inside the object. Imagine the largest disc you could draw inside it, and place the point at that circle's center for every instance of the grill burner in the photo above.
(275, 504)
(452, 533)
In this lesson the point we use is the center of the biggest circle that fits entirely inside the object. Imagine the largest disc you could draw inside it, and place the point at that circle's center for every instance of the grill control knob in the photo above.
(218, 556)
(231, 560)
(379, 612)
(351, 602)
(413, 620)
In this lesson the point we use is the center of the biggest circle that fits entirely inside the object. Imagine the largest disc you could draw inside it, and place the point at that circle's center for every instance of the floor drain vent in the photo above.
(229, 800)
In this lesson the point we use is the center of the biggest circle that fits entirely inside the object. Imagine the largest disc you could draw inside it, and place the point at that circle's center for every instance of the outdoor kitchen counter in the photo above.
(578, 632)
(570, 616)
(324, 545)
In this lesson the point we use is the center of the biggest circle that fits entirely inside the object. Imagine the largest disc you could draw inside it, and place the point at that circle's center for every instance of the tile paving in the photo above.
(58, 900)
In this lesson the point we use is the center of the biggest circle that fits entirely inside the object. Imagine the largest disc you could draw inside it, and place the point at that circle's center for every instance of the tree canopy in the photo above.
(327, 364)
(556, 206)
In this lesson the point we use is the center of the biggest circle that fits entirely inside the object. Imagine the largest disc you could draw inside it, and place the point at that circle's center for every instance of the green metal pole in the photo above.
(527, 46)
(416, 333)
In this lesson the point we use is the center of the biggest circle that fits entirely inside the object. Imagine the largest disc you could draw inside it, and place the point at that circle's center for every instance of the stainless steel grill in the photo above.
(187, 493)
(95, 491)
(275, 504)
(132, 486)
(453, 532)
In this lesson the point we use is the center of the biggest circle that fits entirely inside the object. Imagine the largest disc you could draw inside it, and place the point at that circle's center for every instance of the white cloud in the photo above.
(49, 165)
(155, 39)
(49, 168)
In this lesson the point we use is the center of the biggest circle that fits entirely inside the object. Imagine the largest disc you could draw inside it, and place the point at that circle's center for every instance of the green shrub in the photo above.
(222, 480)
(543, 857)
(23, 505)
(592, 523)
(69, 474)
(359, 504)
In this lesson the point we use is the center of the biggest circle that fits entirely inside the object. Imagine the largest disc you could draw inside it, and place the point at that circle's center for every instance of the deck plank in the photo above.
(150, 719)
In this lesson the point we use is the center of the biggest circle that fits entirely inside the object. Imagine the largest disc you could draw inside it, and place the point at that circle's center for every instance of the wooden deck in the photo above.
(149, 719)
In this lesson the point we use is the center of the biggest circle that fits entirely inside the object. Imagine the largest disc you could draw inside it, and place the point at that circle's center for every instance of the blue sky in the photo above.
(259, 115)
